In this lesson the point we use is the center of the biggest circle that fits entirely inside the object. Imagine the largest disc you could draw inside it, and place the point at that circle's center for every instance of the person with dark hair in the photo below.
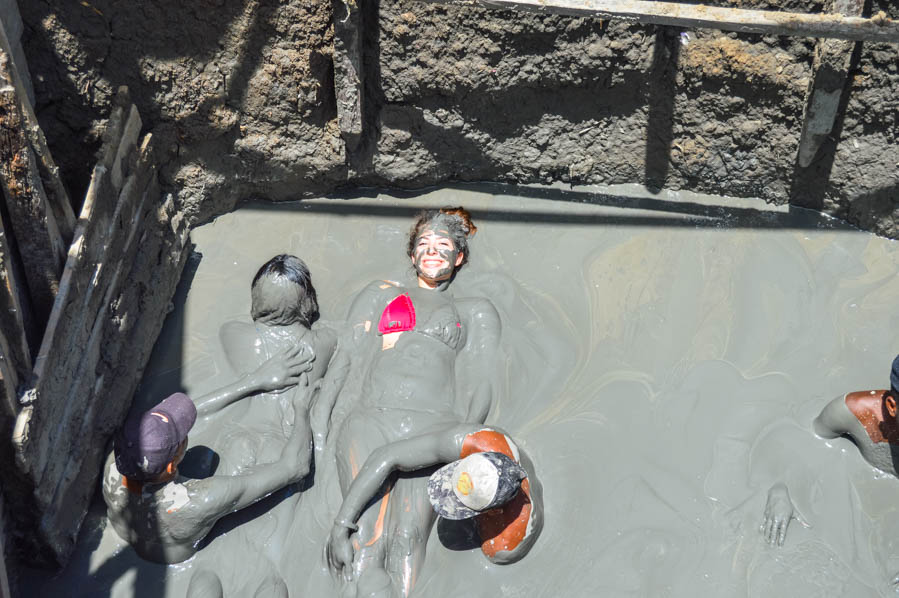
(284, 308)
(410, 342)
(869, 419)
(282, 293)
(164, 515)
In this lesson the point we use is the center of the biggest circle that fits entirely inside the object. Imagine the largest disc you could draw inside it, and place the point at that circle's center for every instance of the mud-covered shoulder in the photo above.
(479, 311)
(368, 302)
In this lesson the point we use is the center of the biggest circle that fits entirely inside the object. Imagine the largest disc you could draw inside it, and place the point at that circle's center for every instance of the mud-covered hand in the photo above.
(339, 552)
(778, 514)
(284, 370)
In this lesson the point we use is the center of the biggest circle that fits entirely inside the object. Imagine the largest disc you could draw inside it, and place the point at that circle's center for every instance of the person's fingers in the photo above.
(769, 530)
(782, 532)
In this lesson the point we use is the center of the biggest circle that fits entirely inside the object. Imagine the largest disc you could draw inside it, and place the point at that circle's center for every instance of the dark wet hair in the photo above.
(457, 221)
(894, 377)
(303, 310)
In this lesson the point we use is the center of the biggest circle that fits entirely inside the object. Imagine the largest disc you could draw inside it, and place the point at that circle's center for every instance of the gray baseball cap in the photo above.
(477, 483)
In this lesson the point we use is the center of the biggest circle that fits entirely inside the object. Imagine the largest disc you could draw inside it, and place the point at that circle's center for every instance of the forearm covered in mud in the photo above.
(405, 455)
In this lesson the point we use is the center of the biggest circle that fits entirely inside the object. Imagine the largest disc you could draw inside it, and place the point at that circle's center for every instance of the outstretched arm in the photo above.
(478, 360)
(277, 373)
(226, 494)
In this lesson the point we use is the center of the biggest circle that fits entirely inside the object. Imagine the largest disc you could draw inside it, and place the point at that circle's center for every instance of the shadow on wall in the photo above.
(670, 213)
(187, 65)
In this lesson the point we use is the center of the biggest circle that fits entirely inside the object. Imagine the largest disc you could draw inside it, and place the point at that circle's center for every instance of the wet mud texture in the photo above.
(664, 361)
(243, 90)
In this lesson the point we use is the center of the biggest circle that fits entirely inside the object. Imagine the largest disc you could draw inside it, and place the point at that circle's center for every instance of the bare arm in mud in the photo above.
(277, 373)
(478, 359)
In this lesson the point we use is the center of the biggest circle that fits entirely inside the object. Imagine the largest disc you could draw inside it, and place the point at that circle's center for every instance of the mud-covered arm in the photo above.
(436, 448)
(405, 455)
(478, 360)
(331, 385)
(277, 373)
(226, 494)
(350, 348)
(831, 422)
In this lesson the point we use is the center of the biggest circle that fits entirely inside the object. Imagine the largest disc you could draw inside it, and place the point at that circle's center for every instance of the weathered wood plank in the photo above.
(31, 220)
(90, 274)
(766, 22)
(830, 70)
(132, 315)
(17, 352)
(348, 79)
(70, 417)
(57, 197)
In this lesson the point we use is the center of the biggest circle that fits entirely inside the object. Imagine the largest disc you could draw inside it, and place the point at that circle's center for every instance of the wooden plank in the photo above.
(120, 137)
(348, 79)
(132, 315)
(830, 70)
(12, 326)
(66, 397)
(766, 22)
(31, 221)
(55, 191)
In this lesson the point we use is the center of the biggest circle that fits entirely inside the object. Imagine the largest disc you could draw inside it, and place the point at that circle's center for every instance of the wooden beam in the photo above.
(32, 221)
(878, 28)
(348, 79)
(830, 70)
(15, 351)
(49, 173)
(65, 366)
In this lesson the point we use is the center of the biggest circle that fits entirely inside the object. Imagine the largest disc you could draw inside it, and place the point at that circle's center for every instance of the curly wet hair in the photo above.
(457, 221)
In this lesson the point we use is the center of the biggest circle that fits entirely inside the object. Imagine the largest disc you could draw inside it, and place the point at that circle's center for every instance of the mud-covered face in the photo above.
(435, 256)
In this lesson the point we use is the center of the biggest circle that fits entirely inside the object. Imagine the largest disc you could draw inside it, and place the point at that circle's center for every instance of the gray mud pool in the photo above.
(663, 359)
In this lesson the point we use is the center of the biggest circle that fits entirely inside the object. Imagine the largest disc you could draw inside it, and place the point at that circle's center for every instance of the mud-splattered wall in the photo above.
(244, 92)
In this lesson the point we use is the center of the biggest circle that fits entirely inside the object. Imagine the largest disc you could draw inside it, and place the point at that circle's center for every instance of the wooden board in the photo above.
(348, 79)
(766, 22)
(67, 357)
(30, 218)
(53, 187)
(830, 69)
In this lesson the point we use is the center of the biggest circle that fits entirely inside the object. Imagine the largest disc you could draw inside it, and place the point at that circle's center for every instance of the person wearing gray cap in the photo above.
(164, 515)
(869, 419)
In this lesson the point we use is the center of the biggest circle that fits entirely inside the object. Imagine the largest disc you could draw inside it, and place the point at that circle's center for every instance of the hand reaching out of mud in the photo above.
(339, 552)
(285, 370)
(778, 514)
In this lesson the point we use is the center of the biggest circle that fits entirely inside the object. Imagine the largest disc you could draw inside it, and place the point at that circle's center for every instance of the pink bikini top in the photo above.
(444, 324)
(398, 316)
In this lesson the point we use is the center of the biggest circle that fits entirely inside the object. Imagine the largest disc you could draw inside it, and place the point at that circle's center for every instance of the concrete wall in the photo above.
(244, 92)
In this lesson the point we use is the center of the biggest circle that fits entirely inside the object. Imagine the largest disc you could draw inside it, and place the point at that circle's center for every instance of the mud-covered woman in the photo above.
(412, 341)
